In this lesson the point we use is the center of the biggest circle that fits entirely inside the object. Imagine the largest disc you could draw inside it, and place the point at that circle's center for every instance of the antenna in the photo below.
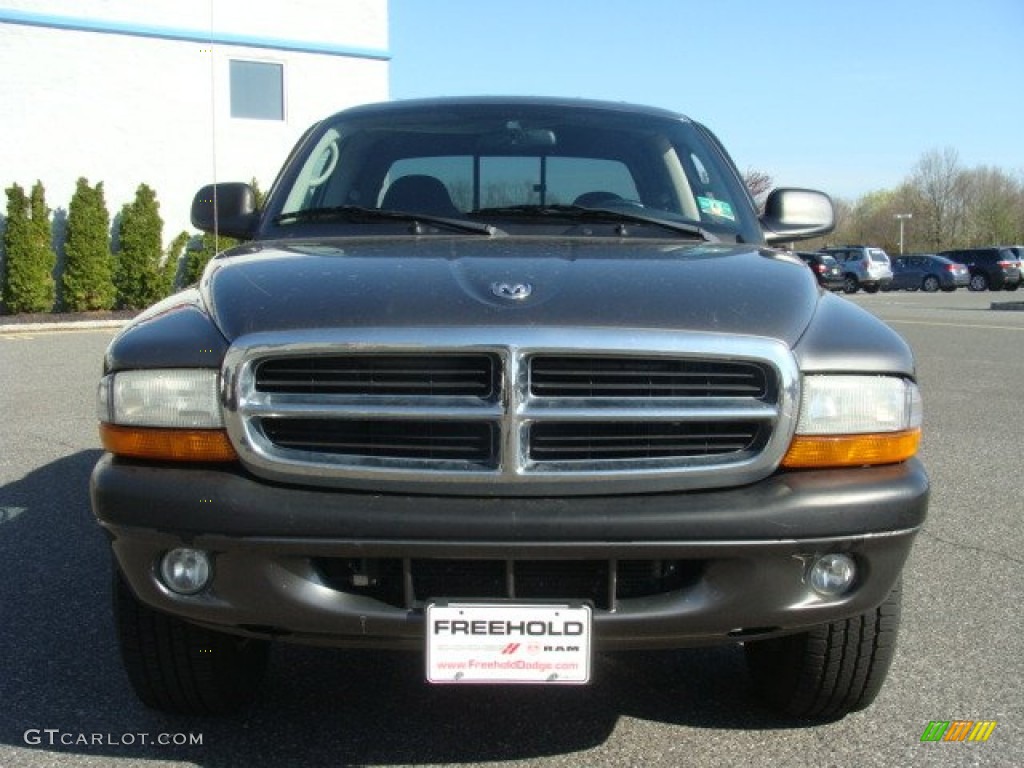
(213, 134)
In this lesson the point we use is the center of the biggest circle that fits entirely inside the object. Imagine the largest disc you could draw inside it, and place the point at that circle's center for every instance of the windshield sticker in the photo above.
(718, 208)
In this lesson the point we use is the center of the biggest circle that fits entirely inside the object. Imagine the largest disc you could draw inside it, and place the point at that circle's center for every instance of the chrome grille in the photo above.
(510, 411)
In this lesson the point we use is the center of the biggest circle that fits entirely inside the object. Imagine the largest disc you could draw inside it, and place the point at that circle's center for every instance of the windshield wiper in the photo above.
(358, 213)
(581, 213)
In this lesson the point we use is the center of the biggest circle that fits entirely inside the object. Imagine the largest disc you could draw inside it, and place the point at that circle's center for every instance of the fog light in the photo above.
(185, 571)
(832, 575)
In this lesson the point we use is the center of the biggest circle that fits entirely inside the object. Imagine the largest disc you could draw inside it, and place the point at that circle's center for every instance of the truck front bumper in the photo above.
(664, 570)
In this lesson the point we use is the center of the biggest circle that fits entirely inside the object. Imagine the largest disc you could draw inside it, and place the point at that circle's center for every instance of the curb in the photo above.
(1008, 306)
(83, 325)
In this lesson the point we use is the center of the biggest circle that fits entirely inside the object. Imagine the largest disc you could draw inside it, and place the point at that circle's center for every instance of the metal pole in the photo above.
(901, 217)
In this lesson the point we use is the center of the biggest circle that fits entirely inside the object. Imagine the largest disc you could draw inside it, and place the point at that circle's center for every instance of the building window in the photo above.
(257, 90)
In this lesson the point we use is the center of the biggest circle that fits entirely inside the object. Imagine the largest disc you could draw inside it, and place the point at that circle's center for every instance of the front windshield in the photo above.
(473, 161)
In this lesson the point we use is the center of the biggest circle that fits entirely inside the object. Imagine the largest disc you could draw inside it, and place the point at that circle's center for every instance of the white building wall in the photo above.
(129, 92)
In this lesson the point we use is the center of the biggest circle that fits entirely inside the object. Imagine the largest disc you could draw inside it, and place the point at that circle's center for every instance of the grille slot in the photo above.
(628, 377)
(554, 441)
(601, 582)
(432, 440)
(394, 375)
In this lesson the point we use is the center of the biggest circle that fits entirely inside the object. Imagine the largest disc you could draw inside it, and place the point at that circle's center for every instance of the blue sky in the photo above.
(840, 95)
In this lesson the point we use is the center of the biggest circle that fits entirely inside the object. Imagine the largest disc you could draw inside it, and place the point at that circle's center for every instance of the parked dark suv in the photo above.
(1018, 251)
(825, 268)
(993, 269)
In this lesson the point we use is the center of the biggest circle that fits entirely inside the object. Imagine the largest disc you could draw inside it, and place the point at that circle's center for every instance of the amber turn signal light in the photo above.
(167, 444)
(822, 451)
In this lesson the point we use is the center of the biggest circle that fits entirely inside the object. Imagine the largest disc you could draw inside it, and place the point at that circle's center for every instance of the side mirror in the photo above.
(797, 214)
(229, 208)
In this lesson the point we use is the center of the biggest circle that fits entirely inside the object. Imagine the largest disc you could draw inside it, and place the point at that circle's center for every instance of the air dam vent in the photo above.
(408, 583)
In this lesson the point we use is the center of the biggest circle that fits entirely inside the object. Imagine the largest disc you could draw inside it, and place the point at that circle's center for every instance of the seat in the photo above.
(419, 193)
(598, 197)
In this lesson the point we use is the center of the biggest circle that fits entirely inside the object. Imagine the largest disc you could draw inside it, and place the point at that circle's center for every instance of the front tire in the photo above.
(182, 668)
(850, 284)
(978, 283)
(930, 284)
(830, 670)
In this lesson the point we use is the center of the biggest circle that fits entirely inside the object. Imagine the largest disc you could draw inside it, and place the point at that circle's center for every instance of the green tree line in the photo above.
(130, 271)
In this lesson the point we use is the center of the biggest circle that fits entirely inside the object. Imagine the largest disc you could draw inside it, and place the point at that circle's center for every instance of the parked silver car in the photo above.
(863, 267)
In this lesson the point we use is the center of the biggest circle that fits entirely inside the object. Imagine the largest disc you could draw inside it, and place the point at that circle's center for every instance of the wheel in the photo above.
(178, 667)
(1013, 287)
(978, 283)
(828, 671)
(930, 284)
(850, 284)
(871, 288)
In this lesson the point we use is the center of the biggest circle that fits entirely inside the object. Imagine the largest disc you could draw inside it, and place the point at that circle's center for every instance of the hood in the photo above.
(470, 281)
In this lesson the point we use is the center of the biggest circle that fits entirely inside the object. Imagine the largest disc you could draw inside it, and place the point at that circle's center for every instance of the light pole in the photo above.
(901, 217)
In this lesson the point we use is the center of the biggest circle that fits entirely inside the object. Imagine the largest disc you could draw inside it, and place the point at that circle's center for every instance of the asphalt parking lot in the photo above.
(65, 700)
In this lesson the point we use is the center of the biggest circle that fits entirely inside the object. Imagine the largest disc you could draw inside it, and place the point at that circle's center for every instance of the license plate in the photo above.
(508, 642)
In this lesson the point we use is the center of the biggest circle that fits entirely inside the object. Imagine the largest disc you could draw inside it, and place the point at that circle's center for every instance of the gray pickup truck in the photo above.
(508, 383)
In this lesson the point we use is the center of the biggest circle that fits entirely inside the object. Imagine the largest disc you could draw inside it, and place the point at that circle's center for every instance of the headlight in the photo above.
(163, 414)
(162, 398)
(855, 421)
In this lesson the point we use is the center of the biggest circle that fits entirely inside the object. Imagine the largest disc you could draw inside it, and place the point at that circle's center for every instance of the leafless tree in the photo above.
(996, 208)
(759, 183)
(940, 184)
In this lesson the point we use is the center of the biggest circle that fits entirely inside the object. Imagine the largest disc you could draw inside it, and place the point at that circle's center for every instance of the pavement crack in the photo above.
(972, 547)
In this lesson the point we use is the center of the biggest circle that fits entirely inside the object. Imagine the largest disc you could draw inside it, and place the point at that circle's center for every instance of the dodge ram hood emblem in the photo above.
(513, 291)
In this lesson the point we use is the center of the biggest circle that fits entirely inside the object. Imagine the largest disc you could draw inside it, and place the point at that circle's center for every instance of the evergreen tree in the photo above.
(169, 272)
(137, 276)
(42, 241)
(29, 286)
(88, 270)
(199, 257)
(16, 240)
(259, 194)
